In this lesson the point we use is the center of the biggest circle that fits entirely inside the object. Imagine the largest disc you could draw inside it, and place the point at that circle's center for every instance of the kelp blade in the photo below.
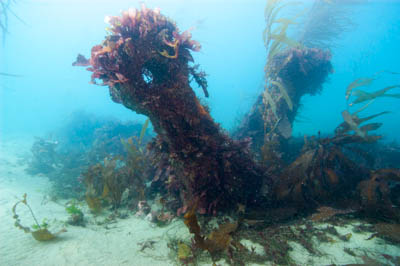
(363, 96)
(43, 235)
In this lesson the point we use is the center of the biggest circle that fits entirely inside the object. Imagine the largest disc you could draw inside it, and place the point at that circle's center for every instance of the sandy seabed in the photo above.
(117, 243)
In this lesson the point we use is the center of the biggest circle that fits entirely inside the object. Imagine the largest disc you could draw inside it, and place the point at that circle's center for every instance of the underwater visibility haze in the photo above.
(199, 132)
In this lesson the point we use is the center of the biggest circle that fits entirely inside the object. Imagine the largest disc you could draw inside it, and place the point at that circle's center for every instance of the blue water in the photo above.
(43, 46)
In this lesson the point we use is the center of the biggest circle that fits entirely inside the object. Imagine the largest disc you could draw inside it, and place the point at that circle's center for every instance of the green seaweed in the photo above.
(76, 216)
(73, 209)
(43, 225)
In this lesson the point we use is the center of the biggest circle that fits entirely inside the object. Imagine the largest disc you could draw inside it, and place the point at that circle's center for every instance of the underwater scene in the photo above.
(199, 132)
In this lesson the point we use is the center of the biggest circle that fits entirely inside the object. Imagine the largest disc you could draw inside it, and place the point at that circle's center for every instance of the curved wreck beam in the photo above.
(145, 63)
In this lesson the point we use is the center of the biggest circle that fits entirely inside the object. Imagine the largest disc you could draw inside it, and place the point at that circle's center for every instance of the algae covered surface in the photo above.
(199, 133)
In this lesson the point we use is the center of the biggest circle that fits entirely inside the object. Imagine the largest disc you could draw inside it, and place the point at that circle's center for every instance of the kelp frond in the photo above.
(131, 147)
(143, 131)
(284, 93)
(362, 120)
(358, 83)
(362, 96)
(276, 40)
(275, 32)
(365, 81)
(352, 121)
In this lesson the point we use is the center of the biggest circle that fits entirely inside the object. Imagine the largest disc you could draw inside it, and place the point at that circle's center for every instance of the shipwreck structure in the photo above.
(146, 63)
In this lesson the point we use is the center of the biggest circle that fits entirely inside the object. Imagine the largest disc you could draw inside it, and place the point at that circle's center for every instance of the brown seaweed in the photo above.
(377, 195)
(219, 240)
(352, 121)
(40, 234)
(362, 96)
(320, 174)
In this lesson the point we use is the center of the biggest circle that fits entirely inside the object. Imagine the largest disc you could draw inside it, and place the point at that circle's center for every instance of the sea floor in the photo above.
(134, 240)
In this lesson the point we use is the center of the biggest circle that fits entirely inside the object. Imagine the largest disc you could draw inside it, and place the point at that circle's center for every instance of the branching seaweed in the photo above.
(364, 82)
(352, 121)
(275, 41)
(109, 180)
(41, 233)
(275, 32)
(291, 70)
(377, 195)
(5, 10)
(219, 240)
(325, 23)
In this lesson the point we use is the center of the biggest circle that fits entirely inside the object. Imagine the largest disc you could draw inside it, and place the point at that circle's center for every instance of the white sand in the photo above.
(117, 245)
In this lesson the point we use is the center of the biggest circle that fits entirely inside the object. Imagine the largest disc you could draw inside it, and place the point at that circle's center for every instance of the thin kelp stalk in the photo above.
(9, 75)
(145, 63)
(17, 220)
(41, 233)
(30, 209)
(5, 10)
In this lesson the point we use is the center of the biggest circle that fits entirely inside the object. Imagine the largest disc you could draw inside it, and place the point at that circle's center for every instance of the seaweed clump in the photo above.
(326, 22)
(76, 216)
(107, 181)
(41, 233)
(84, 140)
(379, 194)
(219, 240)
(104, 182)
